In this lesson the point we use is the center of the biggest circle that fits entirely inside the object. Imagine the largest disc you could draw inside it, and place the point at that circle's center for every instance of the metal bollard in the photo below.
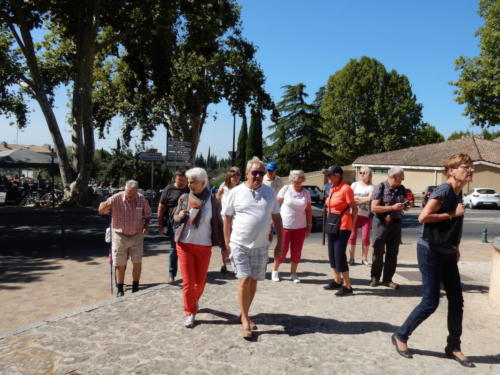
(484, 235)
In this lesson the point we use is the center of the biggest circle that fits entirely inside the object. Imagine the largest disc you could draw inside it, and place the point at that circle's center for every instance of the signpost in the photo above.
(178, 153)
(151, 156)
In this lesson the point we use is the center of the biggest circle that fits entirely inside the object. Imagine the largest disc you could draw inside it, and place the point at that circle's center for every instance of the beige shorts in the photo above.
(125, 247)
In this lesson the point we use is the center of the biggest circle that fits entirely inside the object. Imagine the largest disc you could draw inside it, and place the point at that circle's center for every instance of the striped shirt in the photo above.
(127, 216)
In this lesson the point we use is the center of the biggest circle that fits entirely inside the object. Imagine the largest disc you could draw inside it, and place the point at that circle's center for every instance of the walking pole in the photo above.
(110, 261)
(324, 224)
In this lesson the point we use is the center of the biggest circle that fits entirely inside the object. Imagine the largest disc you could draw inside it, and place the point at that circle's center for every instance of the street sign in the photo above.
(178, 164)
(150, 156)
(174, 143)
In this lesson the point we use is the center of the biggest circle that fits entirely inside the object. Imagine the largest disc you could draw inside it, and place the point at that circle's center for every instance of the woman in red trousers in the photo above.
(199, 220)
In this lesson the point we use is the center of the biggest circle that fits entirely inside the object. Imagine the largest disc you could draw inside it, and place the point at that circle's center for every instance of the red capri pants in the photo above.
(293, 239)
(193, 261)
(365, 224)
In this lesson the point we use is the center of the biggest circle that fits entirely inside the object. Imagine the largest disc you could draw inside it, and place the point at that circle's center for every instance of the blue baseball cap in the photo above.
(272, 166)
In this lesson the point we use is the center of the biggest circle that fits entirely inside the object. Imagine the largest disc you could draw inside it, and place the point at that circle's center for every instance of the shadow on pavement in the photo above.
(18, 269)
(486, 359)
(294, 325)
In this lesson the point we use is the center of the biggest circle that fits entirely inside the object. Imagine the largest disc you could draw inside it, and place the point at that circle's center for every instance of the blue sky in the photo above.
(307, 41)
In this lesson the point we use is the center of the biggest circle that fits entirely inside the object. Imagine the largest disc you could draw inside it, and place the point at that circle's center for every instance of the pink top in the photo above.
(127, 216)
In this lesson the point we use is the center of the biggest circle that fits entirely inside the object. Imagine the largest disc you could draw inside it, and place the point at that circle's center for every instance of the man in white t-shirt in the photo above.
(248, 211)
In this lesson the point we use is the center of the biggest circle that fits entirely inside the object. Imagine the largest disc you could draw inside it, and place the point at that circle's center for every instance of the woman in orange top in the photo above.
(341, 196)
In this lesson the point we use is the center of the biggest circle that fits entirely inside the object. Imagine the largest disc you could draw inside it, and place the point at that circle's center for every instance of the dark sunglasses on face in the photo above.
(257, 173)
(235, 173)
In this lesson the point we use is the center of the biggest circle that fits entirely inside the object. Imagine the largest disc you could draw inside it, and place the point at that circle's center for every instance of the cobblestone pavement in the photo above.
(302, 329)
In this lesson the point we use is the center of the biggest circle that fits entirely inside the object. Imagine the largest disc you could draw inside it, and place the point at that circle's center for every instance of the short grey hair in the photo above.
(296, 174)
(132, 184)
(199, 174)
(255, 161)
(395, 171)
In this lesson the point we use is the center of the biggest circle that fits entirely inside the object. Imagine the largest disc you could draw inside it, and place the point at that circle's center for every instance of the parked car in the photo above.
(485, 197)
(317, 195)
(427, 194)
(3, 194)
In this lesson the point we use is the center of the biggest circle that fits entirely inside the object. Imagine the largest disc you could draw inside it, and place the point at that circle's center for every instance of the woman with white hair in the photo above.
(362, 194)
(198, 215)
(296, 214)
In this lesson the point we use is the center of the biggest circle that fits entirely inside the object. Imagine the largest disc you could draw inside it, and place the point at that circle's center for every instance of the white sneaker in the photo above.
(189, 321)
(295, 278)
(275, 276)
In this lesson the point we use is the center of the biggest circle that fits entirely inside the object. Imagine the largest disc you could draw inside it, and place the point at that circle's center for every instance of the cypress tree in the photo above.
(254, 143)
(241, 159)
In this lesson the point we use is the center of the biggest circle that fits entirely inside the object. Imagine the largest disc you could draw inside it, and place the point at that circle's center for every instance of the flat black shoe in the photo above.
(120, 293)
(404, 353)
(332, 285)
(374, 282)
(343, 292)
(463, 362)
(223, 269)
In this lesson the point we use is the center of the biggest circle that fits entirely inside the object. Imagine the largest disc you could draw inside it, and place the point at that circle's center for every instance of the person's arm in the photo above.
(160, 213)
(220, 193)
(308, 218)
(429, 215)
(378, 209)
(146, 211)
(105, 207)
(228, 227)
(278, 225)
(180, 213)
(354, 213)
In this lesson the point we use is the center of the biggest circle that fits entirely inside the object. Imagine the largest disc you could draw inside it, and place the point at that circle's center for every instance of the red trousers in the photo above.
(193, 261)
(293, 239)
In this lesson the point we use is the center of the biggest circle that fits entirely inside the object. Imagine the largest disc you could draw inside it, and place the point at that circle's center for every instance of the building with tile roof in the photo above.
(423, 165)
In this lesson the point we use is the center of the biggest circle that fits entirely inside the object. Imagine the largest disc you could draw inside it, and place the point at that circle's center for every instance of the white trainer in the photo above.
(189, 321)
(275, 276)
(295, 278)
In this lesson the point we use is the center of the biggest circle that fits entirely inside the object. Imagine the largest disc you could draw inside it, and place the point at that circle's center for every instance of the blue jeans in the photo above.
(437, 268)
(172, 259)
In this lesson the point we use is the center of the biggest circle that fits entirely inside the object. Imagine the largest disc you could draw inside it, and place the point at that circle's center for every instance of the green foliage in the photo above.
(241, 159)
(254, 141)
(490, 135)
(366, 109)
(122, 164)
(427, 134)
(479, 84)
(297, 141)
(458, 135)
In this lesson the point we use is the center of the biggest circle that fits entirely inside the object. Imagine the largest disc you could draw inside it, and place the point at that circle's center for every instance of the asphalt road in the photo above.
(475, 221)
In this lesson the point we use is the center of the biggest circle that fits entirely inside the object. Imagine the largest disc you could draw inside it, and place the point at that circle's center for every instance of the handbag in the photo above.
(333, 222)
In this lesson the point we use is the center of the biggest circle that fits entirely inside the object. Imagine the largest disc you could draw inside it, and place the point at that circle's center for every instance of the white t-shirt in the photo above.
(293, 207)
(202, 235)
(361, 191)
(225, 196)
(251, 211)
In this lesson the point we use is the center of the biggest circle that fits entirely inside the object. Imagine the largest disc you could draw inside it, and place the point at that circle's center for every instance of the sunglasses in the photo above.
(466, 167)
(257, 173)
(235, 173)
(362, 172)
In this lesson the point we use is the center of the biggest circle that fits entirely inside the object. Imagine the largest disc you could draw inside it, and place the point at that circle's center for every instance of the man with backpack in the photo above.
(388, 203)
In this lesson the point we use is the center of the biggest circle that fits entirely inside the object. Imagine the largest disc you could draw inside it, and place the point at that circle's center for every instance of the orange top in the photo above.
(340, 196)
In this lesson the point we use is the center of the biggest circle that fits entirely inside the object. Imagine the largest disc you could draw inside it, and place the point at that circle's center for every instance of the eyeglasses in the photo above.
(257, 173)
(466, 167)
(235, 173)
(362, 172)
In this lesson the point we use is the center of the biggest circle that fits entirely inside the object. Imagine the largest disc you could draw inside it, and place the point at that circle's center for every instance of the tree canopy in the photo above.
(151, 62)
(478, 86)
(297, 141)
(366, 109)
(427, 134)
